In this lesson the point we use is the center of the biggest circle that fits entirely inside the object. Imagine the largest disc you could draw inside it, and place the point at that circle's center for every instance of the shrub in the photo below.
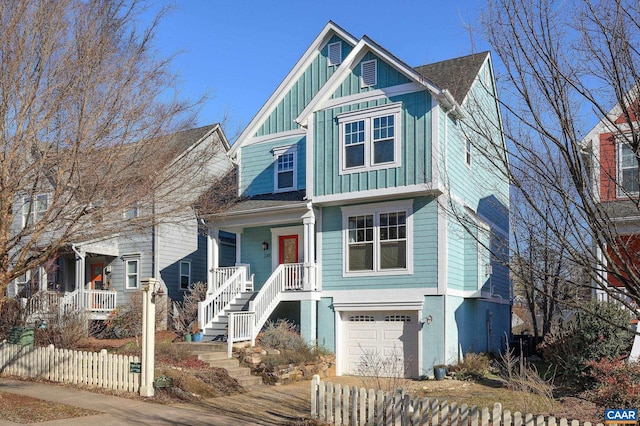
(126, 320)
(284, 337)
(185, 313)
(63, 330)
(617, 383)
(382, 372)
(523, 378)
(11, 316)
(601, 331)
(473, 366)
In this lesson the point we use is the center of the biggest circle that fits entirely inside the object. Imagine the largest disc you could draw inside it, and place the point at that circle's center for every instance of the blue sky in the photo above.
(239, 51)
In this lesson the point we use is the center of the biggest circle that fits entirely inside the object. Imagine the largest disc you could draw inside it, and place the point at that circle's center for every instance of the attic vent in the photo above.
(335, 53)
(369, 72)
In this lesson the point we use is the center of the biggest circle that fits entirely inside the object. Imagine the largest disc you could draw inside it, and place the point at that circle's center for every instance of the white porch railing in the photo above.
(241, 329)
(245, 326)
(88, 300)
(216, 303)
(221, 275)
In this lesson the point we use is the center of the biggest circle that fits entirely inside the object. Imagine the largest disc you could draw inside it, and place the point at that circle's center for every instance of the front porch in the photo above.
(97, 304)
(76, 279)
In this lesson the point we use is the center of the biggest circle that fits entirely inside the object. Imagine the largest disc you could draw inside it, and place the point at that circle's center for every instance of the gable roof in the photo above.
(455, 75)
(364, 45)
(325, 35)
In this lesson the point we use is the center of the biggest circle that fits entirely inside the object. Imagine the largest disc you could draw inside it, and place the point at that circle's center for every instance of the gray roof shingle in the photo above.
(456, 75)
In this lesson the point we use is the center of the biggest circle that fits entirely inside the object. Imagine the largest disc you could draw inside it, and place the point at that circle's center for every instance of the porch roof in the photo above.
(265, 202)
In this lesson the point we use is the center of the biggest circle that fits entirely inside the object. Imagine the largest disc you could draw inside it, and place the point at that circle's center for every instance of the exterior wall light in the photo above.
(265, 246)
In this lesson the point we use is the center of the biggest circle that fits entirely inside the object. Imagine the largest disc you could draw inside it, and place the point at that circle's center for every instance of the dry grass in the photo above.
(24, 409)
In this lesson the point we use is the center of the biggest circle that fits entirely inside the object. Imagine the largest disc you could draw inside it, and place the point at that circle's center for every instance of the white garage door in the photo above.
(381, 343)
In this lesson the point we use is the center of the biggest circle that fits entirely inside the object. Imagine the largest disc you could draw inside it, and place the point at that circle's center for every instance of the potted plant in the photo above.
(188, 337)
(196, 331)
(439, 371)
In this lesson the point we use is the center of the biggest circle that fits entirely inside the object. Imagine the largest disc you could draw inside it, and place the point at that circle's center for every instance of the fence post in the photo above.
(314, 396)
(230, 333)
(148, 335)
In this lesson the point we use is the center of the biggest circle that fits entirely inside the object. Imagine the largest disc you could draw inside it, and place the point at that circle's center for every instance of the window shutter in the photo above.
(369, 72)
(335, 53)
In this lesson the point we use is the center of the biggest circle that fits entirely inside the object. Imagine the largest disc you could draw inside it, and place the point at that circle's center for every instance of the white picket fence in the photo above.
(337, 405)
(98, 369)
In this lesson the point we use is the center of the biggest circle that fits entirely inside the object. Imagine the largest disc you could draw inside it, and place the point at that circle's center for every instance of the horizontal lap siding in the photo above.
(425, 252)
(302, 92)
(258, 162)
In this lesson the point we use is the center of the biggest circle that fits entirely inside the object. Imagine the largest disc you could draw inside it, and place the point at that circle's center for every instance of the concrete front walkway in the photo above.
(116, 410)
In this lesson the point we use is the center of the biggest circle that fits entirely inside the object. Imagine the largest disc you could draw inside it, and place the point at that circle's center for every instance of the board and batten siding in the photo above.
(415, 165)
(253, 254)
(387, 76)
(302, 92)
(257, 171)
(425, 252)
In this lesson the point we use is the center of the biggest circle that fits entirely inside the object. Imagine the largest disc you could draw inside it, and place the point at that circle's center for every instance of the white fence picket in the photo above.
(66, 366)
(339, 405)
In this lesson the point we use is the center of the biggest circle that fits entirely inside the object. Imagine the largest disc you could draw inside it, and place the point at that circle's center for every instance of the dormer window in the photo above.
(369, 73)
(285, 169)
(334, 54)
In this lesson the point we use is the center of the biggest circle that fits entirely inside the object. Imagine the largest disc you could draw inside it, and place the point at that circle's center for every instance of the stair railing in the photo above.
(216, 303)
(245, 326)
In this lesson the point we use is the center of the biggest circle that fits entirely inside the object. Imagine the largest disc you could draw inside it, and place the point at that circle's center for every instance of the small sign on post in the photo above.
(135, 367)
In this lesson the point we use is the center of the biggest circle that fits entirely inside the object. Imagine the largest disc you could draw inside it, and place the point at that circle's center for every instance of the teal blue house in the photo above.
(365, 212)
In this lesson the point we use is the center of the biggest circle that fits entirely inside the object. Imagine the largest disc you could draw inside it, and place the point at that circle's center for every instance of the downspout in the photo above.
(446, 286)
(154, 241)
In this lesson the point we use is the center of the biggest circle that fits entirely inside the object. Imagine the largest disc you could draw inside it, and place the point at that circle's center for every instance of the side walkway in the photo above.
(116, 410)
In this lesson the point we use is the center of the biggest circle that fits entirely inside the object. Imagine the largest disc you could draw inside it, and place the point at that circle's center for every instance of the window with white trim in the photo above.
(377, 239)
(132, 211)
(285, 168)
(185, 274)
(369, 73)
(627, 171)
(370, 139)
(33, 212)
(334, 53)
(132, 273)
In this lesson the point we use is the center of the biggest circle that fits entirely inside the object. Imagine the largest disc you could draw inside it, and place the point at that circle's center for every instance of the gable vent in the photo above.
(335, 53)
(369, 73)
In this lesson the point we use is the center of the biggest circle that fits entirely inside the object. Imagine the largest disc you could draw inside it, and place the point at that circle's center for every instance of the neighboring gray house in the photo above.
(99, 275)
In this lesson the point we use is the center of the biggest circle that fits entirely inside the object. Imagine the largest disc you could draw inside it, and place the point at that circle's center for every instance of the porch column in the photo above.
(42, 278)
(213, 255)
(308, 253)
(80, 275)
(308, 315)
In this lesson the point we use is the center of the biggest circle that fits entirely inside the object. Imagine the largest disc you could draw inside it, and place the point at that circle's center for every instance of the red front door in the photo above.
(288, 249)
(96, 276)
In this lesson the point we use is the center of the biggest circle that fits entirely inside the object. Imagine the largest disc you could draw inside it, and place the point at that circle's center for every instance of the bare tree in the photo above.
(86, 113)
(565, 65)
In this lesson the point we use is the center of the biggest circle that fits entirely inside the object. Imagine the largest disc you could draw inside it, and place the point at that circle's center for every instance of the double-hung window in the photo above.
(34, 209)
(370, 139)
(627, 171)
(132, 211)
(378, 238)
(132, 273)
(285, 169)
(185, 274)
